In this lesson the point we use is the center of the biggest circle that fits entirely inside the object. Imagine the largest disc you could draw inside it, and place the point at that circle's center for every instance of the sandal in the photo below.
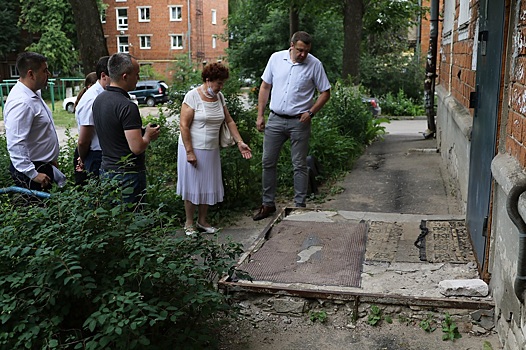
(190, 231)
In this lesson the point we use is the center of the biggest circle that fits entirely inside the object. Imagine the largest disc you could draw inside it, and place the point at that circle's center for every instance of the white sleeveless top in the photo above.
(208, 117)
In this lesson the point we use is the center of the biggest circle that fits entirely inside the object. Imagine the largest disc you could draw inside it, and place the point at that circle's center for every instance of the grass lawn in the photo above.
(61, 117)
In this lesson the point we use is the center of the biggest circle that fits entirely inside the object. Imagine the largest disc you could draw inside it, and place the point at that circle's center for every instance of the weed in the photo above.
(428, 324)
(318, 316)
(404, 319)
(375, 316)
(450, 329)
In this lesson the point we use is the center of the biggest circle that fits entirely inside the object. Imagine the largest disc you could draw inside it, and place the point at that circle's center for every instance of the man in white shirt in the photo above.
(88, 149)
(290, 79)
(32, 140)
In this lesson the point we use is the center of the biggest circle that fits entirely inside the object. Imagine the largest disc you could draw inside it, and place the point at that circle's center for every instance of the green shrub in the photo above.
(391, 72)
(401, 105)
(83, 272)
(5, 177)
(348, 112)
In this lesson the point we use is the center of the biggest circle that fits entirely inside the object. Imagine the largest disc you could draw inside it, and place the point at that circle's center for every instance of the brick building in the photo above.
(481, 133)
(160, 32)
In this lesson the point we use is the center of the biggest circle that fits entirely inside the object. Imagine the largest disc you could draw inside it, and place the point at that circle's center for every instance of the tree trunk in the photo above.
(352, 37)
(294, 20)
(92, 45)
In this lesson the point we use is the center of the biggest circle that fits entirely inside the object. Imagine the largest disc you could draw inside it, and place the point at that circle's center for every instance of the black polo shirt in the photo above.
(113, 113)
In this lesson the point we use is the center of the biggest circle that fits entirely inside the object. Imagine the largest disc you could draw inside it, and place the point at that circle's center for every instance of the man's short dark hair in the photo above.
(27, 61)
(102, 66)
(301, 36)
(118, 64)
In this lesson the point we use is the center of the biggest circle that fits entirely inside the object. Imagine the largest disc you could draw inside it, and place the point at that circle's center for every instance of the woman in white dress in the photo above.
(199, 180)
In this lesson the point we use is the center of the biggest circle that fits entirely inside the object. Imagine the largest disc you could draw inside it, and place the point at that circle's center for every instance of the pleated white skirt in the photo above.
(202, 184)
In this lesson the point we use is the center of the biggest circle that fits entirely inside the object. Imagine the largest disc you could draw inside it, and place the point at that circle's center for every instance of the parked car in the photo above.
(374, 106)
(151, 92)
(69, 103)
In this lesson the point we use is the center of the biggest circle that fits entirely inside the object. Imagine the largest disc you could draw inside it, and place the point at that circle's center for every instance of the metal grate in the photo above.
(319, 253)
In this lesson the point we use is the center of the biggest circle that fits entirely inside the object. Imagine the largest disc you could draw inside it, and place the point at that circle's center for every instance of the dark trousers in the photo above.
(22, 180)
(91, 166)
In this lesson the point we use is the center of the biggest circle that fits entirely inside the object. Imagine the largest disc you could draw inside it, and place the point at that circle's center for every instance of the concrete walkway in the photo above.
(397, 181)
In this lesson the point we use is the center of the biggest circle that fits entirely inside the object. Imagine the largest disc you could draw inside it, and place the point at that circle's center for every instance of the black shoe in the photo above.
(264, 212)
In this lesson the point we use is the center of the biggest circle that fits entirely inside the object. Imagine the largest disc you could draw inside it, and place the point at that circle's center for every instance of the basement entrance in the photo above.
(365, 257)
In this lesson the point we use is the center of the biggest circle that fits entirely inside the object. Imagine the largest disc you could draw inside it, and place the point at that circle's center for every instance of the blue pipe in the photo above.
(16, 189)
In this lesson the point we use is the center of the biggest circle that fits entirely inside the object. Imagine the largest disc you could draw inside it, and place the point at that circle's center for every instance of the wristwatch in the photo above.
(311, 114)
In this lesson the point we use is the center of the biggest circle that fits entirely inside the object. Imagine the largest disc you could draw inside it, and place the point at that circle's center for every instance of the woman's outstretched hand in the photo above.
(246, 152)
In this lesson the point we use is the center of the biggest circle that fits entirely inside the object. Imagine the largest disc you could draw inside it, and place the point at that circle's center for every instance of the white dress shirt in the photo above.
(84, 113)
(30, 130)
(294, 84)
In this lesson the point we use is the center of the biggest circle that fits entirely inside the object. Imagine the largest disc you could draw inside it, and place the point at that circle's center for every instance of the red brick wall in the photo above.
(516, 122)
(455, 72)
(161, 55)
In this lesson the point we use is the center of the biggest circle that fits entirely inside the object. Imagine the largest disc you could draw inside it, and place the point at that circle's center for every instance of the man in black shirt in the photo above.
(119, 126)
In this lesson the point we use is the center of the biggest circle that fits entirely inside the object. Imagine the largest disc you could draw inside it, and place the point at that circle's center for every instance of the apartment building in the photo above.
(160, 32)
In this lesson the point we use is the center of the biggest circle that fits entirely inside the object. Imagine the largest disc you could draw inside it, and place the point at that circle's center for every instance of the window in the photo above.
(122, 19)
(177, 41)
(449, 18)
(103, 16)
(13, 71)
(214, 41)
(463, 15)
(123, 44)
(214, 17)
(145, 41)
(176, 13)
(144, 14)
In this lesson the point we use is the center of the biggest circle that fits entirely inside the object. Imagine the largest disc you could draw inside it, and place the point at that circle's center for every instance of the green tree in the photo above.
(338, 28)
(251, 46)
(10, 38)
(65, 28)
(90, 36)
(52, 20)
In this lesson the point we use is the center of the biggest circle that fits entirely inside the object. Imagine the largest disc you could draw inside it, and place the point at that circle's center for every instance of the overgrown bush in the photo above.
(347, 111)
(401, 105)
(84, 272)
